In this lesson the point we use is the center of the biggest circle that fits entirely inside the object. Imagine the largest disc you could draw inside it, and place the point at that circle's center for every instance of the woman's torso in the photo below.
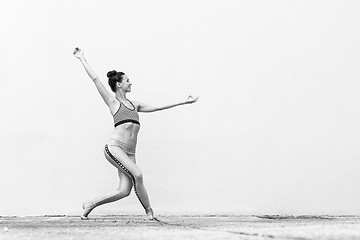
(129, 129)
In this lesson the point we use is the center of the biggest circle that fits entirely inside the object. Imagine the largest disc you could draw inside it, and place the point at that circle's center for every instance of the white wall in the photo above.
(276, 129)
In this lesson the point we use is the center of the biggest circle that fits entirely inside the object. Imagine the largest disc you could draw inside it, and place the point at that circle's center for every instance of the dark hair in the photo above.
(114, 77)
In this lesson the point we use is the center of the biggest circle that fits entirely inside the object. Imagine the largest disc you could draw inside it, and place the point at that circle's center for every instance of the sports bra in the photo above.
(124, 115)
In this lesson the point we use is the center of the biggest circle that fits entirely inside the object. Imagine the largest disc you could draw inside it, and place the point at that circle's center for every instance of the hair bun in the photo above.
(111, 74)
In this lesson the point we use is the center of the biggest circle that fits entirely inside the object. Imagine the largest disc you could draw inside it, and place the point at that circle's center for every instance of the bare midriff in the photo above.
(128, 131)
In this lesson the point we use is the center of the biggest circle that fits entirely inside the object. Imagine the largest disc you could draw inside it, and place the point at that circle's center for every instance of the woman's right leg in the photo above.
(117, 157)
(122, 191)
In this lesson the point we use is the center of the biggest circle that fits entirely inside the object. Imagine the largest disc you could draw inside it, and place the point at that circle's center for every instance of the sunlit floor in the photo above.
(180, 227)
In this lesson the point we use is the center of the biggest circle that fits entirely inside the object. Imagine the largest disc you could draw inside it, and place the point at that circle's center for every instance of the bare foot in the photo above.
(149, 214)
(88, 207)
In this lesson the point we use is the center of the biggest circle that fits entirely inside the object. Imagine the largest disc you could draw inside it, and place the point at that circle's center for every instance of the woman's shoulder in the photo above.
(135, 103)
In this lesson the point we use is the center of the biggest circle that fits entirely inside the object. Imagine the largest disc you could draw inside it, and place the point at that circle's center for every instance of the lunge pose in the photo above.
(120, 148)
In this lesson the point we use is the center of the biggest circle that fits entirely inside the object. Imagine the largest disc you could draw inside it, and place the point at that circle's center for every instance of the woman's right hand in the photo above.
(78, 53)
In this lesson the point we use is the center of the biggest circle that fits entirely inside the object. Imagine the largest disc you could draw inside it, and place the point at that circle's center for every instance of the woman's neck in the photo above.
(120, 95)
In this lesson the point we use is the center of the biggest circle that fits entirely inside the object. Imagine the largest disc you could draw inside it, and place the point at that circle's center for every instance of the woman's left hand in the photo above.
(191, 99)
(78, 53)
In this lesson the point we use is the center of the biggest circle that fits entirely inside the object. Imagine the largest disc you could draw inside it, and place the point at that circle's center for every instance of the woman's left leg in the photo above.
(142, 194)
(126, 163)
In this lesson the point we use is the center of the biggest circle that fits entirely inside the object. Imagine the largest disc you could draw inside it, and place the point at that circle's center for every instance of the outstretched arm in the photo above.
(143, 107)
(108, 98)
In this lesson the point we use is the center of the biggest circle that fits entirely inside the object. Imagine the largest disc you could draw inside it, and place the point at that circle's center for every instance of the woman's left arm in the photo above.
(144, 107)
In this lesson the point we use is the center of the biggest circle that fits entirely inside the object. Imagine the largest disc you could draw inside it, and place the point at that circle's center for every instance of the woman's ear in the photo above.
(118, 84)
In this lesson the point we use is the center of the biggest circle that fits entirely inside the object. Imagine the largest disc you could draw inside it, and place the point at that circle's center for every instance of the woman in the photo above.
(120, 148)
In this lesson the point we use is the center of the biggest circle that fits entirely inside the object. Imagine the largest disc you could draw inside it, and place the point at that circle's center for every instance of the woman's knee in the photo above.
(138, 177)
(123, 192)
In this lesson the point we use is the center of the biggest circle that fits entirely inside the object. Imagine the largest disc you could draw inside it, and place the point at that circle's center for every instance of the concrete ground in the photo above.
(180, 227)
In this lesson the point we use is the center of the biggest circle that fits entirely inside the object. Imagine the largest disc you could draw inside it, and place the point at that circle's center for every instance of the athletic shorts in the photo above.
(126, 145)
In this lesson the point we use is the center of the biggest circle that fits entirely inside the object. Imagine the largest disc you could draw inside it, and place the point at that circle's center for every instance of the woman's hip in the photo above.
(126, 145)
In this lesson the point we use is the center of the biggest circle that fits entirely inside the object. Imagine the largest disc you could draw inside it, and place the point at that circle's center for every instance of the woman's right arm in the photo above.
(108, 98)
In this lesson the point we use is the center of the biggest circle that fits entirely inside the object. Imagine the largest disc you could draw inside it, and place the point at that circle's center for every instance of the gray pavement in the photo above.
(180, 227)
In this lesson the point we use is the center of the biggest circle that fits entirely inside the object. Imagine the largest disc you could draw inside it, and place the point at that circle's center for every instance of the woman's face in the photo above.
(125, 84)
